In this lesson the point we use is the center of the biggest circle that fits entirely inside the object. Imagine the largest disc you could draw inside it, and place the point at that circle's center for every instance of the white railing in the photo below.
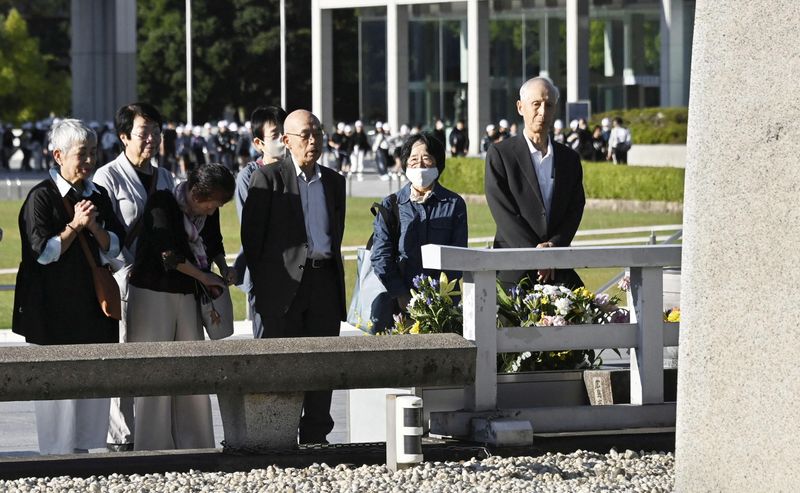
(646, 337)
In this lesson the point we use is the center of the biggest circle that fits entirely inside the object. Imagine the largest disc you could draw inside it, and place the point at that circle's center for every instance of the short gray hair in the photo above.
(70, 132)
(544, 80)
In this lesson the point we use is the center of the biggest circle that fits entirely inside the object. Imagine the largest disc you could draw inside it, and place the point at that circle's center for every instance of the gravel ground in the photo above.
(575, 472)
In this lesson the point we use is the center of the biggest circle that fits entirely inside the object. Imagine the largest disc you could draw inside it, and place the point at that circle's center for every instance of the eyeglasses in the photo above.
(304, 136)
(427, 160)
(146, 134)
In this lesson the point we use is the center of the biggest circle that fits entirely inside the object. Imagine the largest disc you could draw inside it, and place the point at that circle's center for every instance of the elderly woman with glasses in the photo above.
(130, 179)
(421, 212)
(55, 300)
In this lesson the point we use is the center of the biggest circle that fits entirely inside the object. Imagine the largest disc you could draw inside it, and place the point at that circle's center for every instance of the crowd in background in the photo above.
(346, 147)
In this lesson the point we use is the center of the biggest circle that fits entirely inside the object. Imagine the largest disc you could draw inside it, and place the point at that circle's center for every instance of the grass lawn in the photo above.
(357, 231)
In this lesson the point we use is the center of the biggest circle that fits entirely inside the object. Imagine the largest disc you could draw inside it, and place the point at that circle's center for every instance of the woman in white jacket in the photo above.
(130, 179)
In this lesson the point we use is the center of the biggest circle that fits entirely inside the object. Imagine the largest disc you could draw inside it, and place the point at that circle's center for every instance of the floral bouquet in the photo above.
(434, 308)
(545, 305)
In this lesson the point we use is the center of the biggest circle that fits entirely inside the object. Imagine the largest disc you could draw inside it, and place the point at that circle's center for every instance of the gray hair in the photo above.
(70, 132)
(552, 89)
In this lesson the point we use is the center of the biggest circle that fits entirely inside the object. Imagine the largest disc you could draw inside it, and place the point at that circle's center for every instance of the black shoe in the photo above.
(119, 447)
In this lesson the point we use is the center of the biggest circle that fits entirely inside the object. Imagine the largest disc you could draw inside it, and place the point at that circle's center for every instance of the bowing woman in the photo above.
(180, 240)
(55, 300)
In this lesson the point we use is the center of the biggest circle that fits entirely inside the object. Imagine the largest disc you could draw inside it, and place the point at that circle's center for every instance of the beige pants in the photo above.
(168, 422)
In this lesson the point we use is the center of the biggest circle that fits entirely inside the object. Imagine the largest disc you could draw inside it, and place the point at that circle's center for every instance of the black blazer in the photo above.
(514, 198)
(56, 303)
(274, 234)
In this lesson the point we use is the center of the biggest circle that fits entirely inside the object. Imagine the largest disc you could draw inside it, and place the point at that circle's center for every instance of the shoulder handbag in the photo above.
(216, 312)
(371, 307)
(136, 228)
(105, 287)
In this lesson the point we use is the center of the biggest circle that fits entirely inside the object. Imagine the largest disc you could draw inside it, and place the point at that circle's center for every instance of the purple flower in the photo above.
(602, 299)
(418, 280)
(620, 316)
(434, 284)
(624, 284)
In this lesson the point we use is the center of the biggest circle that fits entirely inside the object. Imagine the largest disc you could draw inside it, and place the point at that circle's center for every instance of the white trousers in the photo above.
(168, 422)
(72, 425)
(121, 422)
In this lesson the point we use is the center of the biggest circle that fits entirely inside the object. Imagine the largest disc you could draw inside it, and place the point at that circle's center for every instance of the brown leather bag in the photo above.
(105, 286)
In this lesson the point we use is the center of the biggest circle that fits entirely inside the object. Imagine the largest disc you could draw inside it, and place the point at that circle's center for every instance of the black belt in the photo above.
(318, 263)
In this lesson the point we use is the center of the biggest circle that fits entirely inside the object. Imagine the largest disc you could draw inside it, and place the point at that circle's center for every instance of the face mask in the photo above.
(422, 177)
(274, 148)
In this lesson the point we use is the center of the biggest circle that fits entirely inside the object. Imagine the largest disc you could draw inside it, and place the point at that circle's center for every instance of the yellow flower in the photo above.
(674, 315)
(414, 328)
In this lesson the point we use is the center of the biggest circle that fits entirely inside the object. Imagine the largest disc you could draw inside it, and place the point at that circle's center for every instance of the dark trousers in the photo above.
(314, 312)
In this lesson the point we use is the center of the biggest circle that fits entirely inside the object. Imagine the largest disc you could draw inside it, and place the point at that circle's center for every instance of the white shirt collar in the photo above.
(534, 150)
(298, 171)
(64, 186)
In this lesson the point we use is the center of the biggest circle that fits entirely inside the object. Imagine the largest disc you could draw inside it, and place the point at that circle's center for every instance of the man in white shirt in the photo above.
(292, 227)
(534, 186)
(619, 142)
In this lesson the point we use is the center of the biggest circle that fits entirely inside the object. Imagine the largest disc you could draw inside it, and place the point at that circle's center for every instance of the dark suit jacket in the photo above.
(512, 191)
(274, 234)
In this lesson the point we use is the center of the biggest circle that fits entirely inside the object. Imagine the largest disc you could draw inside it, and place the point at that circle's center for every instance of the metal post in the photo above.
(283, 53)
(189, 62)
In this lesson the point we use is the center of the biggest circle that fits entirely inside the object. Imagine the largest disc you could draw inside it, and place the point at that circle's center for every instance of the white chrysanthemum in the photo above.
(563, 306)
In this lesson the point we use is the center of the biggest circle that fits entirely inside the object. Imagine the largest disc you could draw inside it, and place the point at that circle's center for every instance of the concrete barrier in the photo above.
(259, 383)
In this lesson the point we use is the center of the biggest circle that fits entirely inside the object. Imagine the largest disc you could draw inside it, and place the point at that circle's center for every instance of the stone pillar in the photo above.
(322, 64)
(549, 49)
(739, 379)
(674, 54)
(396, 65)
(613, 48)
(103, 57)
(633, 52)
(478, 91)
(577, 50)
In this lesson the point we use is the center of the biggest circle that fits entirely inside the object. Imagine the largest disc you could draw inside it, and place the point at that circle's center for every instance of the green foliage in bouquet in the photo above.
(432, 308)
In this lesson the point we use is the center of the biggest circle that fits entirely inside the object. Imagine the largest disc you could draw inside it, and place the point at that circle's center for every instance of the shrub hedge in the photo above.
(651, 125)
(600, 180)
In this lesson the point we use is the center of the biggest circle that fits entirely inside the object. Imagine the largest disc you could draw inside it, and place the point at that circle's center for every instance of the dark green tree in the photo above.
(29, 88)
(236, 56)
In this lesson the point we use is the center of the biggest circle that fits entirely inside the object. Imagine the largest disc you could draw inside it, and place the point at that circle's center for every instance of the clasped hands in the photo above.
(546, 275)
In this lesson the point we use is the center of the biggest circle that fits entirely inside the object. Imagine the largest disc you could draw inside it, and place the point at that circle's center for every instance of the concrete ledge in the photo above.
(233, 367)
(458, 424)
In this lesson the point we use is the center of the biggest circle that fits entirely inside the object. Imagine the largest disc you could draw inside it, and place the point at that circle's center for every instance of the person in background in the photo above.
(130, 179)
(55, 300)
(490, 138)
(459, 140)
(619, 142)
(180, 240)
(438, 131)
(380, 147)
(558, 132)
(605, 124)
(360, 144)
(339, 145)
(267, 126)
(598, 144)
(513, 130)
(427, 213)
(502, 130)
(168, 151)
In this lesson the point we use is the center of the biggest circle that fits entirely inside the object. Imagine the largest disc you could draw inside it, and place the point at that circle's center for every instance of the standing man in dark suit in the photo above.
(292, 227)
(534, 186)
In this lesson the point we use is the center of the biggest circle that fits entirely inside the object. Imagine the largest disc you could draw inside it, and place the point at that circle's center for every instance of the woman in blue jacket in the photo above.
(427, 212)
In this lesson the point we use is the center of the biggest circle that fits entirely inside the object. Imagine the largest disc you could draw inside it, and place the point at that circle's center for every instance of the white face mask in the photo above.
(274, 149)
(422, 177)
